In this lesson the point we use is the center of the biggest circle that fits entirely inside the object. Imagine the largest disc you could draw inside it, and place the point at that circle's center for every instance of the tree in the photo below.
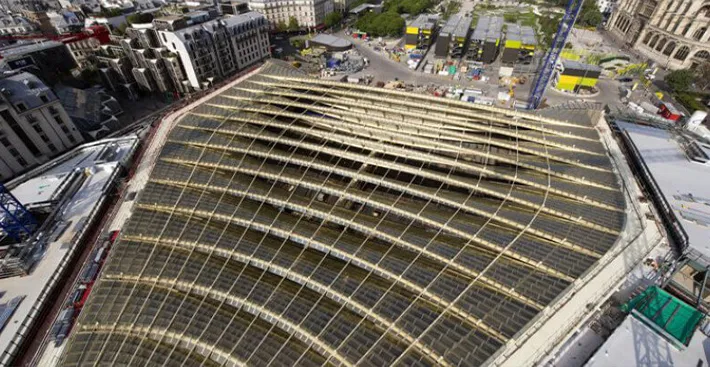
(281, 26)
(333, 19)
(121, 29)
(703, 76)
(137, 18)
(680, 80)
(589, 16)
(293, 24)
(452, 7)
(384, 24)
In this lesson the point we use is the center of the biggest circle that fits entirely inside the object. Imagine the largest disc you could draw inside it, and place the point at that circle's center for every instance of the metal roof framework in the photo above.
(294, 221)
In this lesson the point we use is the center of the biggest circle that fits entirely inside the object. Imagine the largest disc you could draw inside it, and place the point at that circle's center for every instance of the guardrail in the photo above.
(638, 165)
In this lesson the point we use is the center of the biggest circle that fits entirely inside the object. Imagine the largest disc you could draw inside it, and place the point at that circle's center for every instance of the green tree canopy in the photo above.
(137, 18)
(333, 19)
(281, 26)
(680, 80)
(589, 16)
(293, 24)
(121, 29)
(412, 7)
(385, 24)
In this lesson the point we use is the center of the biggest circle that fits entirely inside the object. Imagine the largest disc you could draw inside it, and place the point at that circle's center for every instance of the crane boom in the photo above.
(15, 219)
(558, 43)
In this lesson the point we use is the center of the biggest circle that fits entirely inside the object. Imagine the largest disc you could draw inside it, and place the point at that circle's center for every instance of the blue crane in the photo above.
(558, 44)
(15, 219)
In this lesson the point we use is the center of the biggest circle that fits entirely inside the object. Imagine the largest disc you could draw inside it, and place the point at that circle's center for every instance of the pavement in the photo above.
(384, 69)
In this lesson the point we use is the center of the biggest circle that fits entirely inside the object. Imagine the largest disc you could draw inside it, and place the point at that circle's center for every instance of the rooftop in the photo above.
(525, 34)
(458, 25)
(10, 52)
(488, 28)
(91, 175)
(424, 21)
(331, 42)
(576, 65)
(683, 182)
(90, 109)
(362, 7)
(436, 240)
(227, 21)
(647, 337)
(27, 89)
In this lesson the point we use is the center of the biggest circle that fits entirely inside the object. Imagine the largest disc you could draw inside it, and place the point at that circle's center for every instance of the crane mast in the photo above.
(547, 68)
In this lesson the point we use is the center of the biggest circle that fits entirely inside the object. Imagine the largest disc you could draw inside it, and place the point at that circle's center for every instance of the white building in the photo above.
(218, 48)
(15, 24)
(673, 33)
(606, 6)
(308, 13)
(33, 124)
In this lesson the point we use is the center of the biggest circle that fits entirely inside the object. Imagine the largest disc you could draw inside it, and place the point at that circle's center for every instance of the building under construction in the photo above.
(68, 198)
(453, 37)
(420, 33)
(519, 44)
(292, 221)
(485, 40)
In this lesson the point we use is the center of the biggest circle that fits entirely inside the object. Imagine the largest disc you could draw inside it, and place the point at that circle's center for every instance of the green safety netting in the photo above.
(670, 314)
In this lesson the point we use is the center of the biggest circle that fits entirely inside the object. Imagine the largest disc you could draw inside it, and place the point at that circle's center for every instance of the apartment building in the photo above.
(115, 68)
(218, 48)
(182, 53)
(34, 126)
(152, 67)
(15, 24)
(49, 60)
(673, 33)
(83, 46)
(308, 13)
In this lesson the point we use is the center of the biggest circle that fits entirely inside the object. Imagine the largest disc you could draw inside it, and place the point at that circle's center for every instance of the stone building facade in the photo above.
(673, 33)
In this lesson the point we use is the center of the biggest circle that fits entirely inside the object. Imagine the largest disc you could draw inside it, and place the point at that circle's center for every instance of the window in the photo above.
(51, 147)
(14, 152)
(682, 53)
(686, 29)
(21, 161)
(21, 107)
(699, 33)
(703, 55)
(4, 141)
(44, 98)
(669, 49)
(661, 44)
(71, 139)
(14, 125)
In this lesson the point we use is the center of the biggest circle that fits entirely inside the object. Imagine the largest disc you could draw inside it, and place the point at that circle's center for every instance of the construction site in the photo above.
(293, 221)
(49, 216)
